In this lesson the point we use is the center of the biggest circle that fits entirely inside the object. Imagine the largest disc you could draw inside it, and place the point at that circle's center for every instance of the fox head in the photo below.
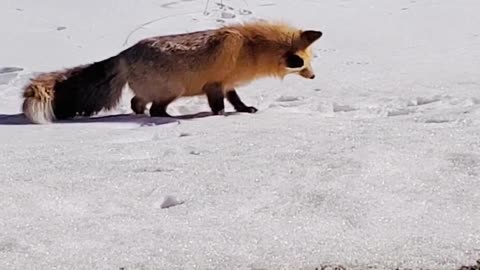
(297, 60)
(275, 49)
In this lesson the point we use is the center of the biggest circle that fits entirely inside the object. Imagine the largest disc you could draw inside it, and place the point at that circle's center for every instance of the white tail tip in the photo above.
(38, 111)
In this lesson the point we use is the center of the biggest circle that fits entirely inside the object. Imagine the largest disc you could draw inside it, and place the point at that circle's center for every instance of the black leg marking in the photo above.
(159, 109)
(215, 98)
(238, 104)
(138, 105)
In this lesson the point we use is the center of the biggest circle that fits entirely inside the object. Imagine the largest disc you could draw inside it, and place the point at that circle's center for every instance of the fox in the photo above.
(160, 69)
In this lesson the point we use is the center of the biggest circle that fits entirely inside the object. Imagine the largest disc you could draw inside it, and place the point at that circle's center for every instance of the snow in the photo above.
(375, 163)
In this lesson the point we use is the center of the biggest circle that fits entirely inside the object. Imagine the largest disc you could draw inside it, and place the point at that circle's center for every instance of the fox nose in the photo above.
(312, 77)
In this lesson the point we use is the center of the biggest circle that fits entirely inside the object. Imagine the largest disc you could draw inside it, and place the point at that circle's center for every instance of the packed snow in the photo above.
(375, 164)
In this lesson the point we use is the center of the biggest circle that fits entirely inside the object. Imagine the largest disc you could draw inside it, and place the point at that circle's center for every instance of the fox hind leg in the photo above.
(159, 108)
(238, 104)
(138, 105)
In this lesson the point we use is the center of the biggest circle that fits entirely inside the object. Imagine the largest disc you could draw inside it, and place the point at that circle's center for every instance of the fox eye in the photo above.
(294, 61)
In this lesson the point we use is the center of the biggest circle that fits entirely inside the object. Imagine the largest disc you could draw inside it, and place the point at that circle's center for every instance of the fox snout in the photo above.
(307, 73)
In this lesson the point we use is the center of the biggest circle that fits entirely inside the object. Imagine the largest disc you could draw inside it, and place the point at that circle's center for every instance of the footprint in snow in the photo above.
(423, 101)
(399, 112)
(437, 120)
(343, 108)
(224, 12)
(288, 101)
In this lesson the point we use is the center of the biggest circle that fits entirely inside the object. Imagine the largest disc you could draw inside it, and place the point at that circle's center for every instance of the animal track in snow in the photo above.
(399, 112)
(423, 101)
(466, 162)
(359, 63)
(342, 108)
(223, 12)
(154, 170)
(438, 120)
(288, 101)
(173, 3)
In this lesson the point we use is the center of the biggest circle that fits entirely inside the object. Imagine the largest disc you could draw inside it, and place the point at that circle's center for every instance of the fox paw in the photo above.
(221, 112)
(248, 109)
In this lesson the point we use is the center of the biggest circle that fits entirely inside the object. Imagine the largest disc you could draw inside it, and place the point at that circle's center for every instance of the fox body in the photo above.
(161, 69)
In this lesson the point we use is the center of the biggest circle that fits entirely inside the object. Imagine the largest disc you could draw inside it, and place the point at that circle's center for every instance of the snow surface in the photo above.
(375, 163)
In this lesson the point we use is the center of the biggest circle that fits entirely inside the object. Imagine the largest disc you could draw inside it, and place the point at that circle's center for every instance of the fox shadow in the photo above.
(144, 120)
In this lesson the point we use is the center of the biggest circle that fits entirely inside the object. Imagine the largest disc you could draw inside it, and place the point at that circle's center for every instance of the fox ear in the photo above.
(308, 37)
(294, 61)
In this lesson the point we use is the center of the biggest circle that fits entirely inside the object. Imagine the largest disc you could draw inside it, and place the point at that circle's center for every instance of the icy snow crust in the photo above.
(375, 163)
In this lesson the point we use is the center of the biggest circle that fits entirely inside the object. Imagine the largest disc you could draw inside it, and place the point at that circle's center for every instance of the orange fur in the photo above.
(161, 69)
(271, 40)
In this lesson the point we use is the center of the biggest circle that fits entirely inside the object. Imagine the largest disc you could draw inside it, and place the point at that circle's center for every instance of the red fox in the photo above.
(161, 69)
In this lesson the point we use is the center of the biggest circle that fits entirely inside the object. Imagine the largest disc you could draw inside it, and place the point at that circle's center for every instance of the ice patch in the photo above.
(8, 74)
(10, 70)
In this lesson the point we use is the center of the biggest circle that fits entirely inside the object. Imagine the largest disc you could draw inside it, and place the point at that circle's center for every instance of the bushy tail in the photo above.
(38, 95)
(82, 90)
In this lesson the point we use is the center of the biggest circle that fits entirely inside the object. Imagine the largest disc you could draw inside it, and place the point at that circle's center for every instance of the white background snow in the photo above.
(375, 163)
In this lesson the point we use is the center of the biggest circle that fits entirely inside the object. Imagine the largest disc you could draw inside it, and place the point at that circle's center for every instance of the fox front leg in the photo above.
(238, 104)
(215, 98)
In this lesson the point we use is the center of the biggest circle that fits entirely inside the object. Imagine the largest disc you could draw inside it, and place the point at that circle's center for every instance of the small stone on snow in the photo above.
(170, 201)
